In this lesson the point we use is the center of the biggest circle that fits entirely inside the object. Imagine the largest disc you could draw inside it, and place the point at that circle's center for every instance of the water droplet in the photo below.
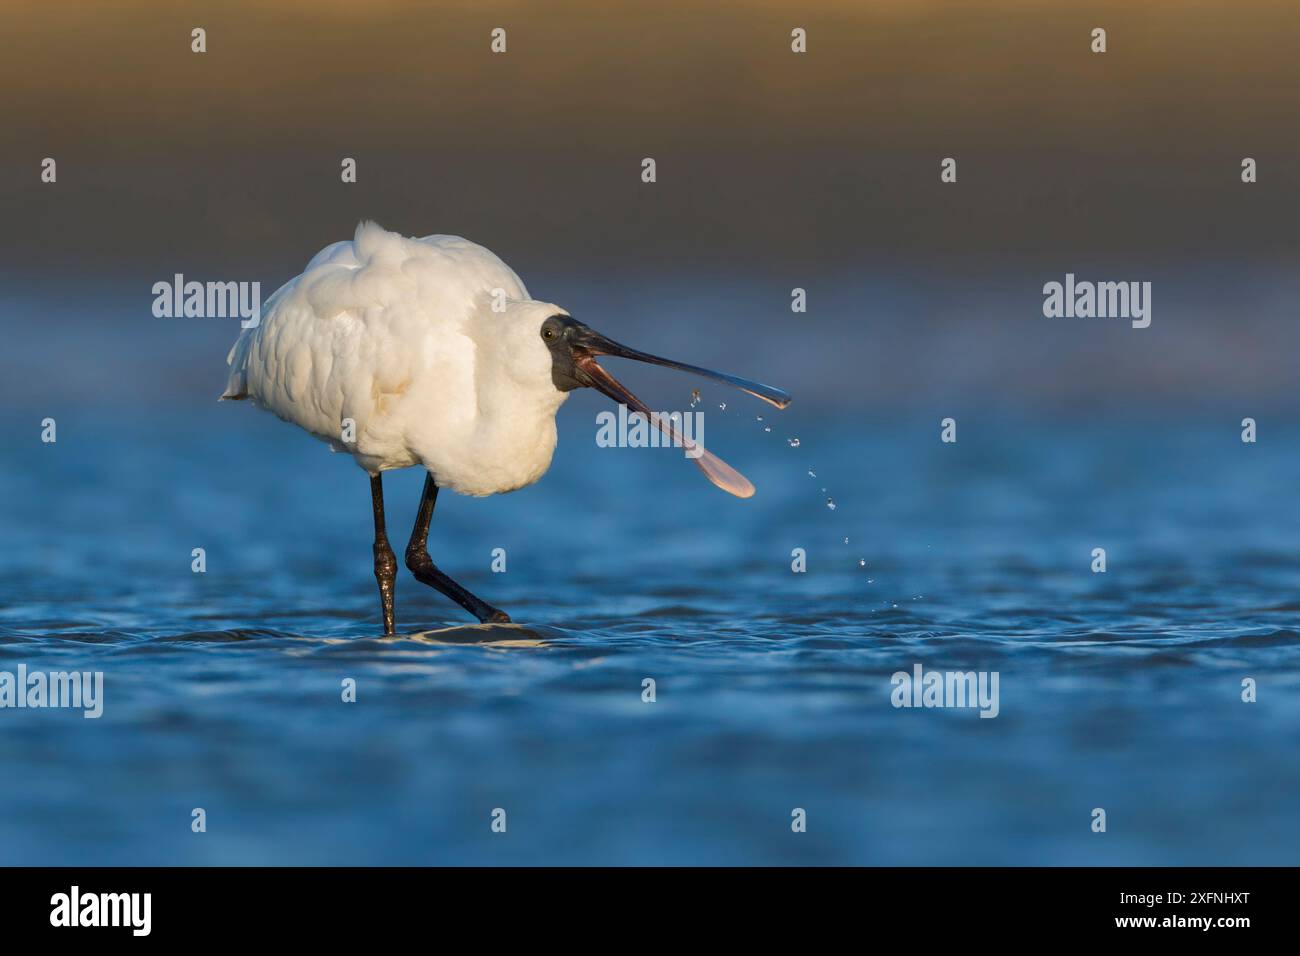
(862, 562)
(794, 442)
(846, 540)
(871, 580)
(767, 428)
(722, 406)
(758, 418)
(811, 473)
(830, 503)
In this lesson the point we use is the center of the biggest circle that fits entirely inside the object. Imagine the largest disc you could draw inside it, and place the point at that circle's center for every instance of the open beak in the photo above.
(586, 344)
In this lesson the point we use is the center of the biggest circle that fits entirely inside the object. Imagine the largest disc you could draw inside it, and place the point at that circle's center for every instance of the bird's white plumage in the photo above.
(400, 336)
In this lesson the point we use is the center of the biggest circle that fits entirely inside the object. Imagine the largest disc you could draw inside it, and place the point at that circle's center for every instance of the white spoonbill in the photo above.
(430, 352)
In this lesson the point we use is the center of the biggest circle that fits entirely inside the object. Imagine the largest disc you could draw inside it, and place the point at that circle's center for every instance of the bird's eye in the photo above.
(548, 334)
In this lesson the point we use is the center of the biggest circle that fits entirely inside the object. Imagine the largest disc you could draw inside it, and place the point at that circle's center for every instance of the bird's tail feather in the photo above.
(237, 382)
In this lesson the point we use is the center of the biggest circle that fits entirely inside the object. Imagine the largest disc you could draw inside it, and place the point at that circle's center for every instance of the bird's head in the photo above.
(574, 348)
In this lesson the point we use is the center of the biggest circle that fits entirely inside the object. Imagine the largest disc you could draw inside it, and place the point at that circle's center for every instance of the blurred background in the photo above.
(774, 171)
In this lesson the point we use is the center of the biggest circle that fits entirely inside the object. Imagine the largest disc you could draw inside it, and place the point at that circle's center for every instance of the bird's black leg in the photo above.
(422, 566)
(385, 560)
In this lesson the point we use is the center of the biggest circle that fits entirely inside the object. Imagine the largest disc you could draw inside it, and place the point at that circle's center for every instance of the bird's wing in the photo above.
(472, 269)
(452, 273)
(365, 320)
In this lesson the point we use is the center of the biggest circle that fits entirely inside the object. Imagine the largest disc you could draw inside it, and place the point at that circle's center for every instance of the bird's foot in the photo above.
(496, 617)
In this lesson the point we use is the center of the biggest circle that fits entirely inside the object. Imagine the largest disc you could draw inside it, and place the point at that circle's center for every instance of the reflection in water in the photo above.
(491, 635)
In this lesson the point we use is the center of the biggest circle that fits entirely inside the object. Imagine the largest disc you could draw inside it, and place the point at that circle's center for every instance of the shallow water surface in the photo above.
(772, 689)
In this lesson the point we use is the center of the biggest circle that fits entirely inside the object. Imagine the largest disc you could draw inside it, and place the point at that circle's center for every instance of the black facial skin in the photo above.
(558, 333)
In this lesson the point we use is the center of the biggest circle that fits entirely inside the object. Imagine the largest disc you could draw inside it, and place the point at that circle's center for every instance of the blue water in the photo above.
(1119, 690)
